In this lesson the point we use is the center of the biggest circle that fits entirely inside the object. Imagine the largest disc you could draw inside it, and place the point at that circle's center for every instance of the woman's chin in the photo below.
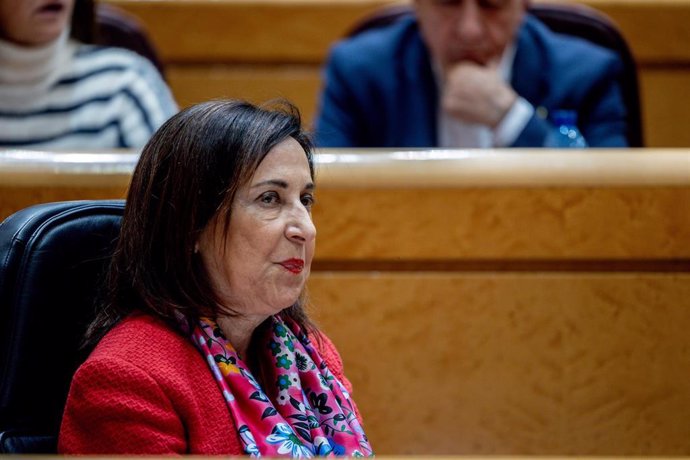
(43, 36)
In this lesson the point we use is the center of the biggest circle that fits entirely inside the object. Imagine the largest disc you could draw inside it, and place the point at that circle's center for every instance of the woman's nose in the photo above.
(300, 227)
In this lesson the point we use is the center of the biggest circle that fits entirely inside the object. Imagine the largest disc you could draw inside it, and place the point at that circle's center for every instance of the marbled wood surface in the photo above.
(518, 223)
(505, 363)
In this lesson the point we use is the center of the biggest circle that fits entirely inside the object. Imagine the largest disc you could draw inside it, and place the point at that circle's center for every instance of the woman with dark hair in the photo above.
(58, 92)
(204, 346)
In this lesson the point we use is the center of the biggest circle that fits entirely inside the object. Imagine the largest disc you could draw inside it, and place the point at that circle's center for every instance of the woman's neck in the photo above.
(238, 330)
(34, 66)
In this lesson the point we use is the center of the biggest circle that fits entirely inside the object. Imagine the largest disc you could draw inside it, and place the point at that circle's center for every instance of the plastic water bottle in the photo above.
(566, 135)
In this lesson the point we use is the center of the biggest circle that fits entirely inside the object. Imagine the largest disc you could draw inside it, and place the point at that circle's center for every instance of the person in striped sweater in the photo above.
(59, 93)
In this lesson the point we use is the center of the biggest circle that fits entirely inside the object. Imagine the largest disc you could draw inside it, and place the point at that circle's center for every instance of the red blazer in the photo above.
(146, 389)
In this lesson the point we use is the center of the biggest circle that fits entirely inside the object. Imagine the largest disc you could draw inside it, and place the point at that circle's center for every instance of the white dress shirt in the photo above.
(455, 133)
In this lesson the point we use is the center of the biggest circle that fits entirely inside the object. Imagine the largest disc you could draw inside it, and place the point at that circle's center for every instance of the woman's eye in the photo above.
(307, 200)
(269, 198)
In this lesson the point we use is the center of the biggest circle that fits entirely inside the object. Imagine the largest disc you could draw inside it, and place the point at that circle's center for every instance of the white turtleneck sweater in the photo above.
(67, 95)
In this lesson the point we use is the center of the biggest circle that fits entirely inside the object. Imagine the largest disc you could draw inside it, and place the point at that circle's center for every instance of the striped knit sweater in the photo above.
(68, 95)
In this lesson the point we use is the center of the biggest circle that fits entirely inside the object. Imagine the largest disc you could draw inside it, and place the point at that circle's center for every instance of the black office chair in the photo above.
(570, 19)
(52, 261)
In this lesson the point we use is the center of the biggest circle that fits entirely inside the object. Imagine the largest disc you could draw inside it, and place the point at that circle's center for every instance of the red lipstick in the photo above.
(293, 265)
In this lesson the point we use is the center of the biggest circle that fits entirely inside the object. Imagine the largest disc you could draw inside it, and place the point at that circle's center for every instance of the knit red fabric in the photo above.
(146, 389)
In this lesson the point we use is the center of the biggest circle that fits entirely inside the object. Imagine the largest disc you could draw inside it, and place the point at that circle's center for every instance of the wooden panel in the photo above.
(302, 30)
(246, 30)
(462, 205)
(299, 84)
(12, 199)
(642, 21)
(586, 364)
(448, 224)
(666, 106)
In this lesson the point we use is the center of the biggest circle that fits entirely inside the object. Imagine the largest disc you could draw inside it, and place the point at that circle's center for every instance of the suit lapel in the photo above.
(528, 78)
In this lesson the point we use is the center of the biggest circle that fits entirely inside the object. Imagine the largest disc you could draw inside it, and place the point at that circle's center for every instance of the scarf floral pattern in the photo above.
(304, 412)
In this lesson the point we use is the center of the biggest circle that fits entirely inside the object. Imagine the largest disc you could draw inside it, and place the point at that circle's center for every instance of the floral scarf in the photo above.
(305, 410)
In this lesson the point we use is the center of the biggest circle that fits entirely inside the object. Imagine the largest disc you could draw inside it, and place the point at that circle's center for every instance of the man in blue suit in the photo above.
(467, 73)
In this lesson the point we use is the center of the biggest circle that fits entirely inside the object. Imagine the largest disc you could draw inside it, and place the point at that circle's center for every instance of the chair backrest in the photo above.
(565, 18)
(586, 22)
(101, 23)
(52, 261)
(115, 27)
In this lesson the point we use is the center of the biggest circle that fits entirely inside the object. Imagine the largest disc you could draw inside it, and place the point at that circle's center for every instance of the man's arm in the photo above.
(337, 123)
(601, 118)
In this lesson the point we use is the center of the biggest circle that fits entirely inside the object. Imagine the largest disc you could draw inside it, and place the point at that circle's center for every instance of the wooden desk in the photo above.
(514, 304)
(489, 302)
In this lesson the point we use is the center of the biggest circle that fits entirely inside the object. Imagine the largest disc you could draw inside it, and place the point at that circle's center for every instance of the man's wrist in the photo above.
(512, 124)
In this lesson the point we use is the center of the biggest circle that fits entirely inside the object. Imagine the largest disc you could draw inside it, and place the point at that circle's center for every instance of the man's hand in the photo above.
(477, 94)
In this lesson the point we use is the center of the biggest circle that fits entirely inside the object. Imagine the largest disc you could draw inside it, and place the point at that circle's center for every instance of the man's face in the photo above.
(469, 30)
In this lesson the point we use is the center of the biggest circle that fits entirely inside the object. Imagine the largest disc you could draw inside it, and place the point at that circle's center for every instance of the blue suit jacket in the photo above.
(379, 88)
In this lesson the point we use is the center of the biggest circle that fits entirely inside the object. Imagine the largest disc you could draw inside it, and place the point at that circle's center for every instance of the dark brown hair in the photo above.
(83, 23)
(189, 172)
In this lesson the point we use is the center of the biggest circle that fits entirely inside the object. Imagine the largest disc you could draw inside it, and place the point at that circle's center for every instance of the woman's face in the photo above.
(260, 266)
(34, 22)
